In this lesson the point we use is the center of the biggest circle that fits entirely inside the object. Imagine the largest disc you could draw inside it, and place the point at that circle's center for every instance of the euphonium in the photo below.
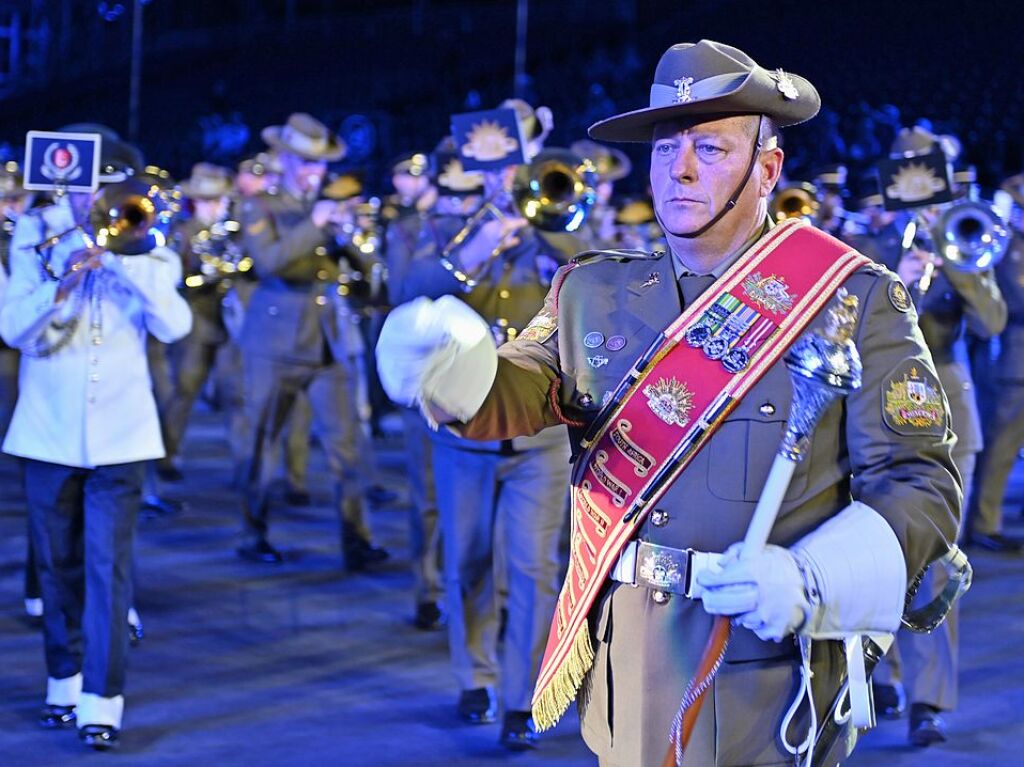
(798, 200)
(131, 217)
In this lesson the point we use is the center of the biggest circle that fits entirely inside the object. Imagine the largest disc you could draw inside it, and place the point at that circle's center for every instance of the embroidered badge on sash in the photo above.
(913, 401)
(771, 292)
(670, 400)
(540, 329)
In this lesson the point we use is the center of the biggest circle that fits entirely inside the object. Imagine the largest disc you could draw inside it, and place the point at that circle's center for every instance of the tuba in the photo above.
(131, 217)
(798, 200)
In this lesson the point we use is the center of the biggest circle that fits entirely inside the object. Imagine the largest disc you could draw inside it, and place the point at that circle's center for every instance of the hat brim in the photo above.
(192, 193)
(335, 146)
(757, 94)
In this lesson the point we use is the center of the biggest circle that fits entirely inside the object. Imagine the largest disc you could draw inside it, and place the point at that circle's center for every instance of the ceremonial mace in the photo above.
(824, 366)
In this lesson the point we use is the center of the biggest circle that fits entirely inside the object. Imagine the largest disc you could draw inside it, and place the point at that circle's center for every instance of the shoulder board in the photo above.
(873, 267)
(596, 256)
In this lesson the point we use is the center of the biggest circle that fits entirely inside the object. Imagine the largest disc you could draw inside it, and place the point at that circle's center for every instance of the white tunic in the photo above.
(85, 395)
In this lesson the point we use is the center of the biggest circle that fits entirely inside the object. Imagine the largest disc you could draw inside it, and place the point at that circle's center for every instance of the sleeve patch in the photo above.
(899, 297)
(540, 329)
(912, 401)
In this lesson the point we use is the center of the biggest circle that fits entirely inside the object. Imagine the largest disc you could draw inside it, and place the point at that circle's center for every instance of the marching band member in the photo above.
(874, 502)
(85, 424)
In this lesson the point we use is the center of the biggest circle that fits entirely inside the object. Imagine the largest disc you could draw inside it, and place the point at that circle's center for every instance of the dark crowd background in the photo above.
(388, 74)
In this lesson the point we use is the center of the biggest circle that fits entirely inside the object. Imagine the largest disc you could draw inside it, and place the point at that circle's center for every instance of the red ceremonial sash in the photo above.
(665, 410)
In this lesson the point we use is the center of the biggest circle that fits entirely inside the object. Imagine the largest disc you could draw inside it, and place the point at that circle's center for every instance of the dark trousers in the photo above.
(83, 529)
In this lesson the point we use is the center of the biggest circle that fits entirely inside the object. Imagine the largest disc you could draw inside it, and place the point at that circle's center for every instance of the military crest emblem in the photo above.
(913, 402)
(785, 85)
(771, 292)
(540, 329)
(670, 400)
(683, 93)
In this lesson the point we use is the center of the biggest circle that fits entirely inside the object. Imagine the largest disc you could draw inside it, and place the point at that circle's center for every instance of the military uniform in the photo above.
(955, 301)
(293, 339)
(502, 502)
(888, 485)
(645, 650)
(1005, 431)
(403, 246)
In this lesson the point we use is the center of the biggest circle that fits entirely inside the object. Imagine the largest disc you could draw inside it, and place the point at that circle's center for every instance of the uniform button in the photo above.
(503, 293)
(322, 274)
(767, 409)
(94, 377)
(321, 300)
(94, 361)
(661, 597)
(321, 251)
(659, 517)
(272, 311)
(97, 341)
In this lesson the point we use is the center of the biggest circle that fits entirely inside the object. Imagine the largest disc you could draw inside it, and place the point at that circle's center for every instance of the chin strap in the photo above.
(736, 192)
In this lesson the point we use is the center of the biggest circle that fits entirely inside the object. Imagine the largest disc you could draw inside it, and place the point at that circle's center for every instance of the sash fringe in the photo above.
(554, 700)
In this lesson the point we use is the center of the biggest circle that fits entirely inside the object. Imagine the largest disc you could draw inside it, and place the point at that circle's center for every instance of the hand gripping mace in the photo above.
(824, 366)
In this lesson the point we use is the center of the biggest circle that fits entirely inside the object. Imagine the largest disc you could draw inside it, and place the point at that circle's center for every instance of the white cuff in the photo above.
(63, 692)
(856, 575)
(95, 709)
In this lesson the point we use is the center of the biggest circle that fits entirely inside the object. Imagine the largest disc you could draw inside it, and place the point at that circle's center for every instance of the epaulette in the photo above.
(618, 254)
(876, 268)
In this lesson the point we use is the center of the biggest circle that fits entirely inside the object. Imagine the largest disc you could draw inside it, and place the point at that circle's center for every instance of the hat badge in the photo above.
(785, 85)
(683, 94)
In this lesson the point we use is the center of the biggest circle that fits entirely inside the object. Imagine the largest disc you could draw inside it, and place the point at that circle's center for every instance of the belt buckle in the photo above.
(662, 568)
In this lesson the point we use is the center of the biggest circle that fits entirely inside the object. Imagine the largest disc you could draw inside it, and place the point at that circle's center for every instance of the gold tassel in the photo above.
(549, 706)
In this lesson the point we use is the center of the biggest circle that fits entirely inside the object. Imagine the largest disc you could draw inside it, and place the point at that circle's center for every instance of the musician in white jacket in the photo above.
(85, 422)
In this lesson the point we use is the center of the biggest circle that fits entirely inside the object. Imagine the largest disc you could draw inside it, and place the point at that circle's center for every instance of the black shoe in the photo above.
(260, 551)
(890, 700)
(428, 617)
(477, 706)
(518, 732)
(358, 552)
(168, 472)
(295, 497)
(135, 634)
(997, 542)
(101, 737)
(155, 506)
(380, 496)
(926, 726)
(54, 717)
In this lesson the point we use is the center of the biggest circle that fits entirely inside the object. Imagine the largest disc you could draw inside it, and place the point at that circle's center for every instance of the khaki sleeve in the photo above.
(984, 306)
(526, 384)
(898, 431)
(271, 249)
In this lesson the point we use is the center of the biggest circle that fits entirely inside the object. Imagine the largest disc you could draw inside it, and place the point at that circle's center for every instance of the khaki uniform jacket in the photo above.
(1010, 274)
(646, 652)
(292, 312)
(955, 302)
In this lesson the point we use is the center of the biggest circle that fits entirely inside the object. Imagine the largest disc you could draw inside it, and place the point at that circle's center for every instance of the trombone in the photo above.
(555, 193)
(968, 235)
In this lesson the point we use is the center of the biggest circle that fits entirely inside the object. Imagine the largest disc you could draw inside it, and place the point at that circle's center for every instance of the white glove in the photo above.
(438, 352)
(766, 594)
